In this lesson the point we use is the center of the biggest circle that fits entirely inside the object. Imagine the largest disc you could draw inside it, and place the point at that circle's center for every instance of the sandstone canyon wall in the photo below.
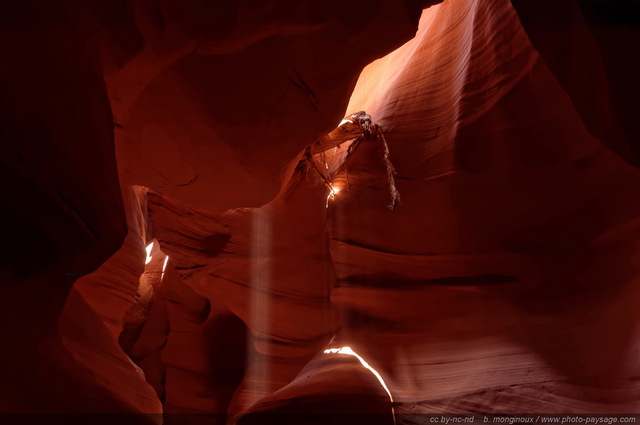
(256, 212)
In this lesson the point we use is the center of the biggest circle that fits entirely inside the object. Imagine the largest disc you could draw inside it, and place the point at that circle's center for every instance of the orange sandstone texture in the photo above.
(505, 279)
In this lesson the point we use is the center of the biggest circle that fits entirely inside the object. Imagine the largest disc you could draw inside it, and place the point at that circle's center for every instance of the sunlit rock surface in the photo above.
(517, 269)
(188, 232)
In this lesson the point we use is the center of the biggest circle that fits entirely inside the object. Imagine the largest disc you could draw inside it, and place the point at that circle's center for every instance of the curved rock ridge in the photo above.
(333, 387)
(95, 316)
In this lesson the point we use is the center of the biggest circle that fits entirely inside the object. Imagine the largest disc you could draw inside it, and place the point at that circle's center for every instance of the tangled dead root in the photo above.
(391, 171)
(367, 132)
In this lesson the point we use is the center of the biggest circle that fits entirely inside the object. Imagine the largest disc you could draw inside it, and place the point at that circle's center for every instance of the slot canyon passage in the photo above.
(253, 212)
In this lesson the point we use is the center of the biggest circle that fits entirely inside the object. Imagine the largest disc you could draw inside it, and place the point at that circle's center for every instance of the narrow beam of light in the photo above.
(258, 375)
(164, 266)
(348, 351)
(148, 249)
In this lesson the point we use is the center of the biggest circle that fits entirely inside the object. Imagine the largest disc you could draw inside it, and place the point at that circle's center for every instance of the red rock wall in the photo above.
(504, 279)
